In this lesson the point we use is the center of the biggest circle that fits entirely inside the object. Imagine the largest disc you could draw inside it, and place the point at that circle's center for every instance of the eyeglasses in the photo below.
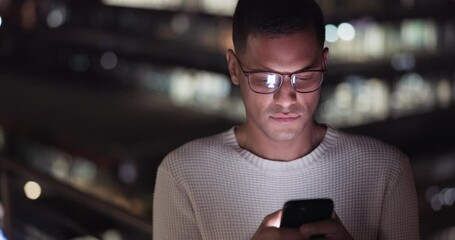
(303, 81)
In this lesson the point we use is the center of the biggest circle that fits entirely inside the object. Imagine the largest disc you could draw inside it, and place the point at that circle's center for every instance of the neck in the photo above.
(264, 147)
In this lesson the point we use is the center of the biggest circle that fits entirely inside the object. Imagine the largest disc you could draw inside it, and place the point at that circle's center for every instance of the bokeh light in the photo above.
(403, 62)
(180, 23)
(109, 60)
(346, 31)
(56, 18)
(331, 33)
(128, 172)
(32, 190)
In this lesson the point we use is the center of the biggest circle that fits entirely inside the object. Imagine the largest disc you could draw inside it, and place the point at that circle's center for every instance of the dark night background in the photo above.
(93, 94)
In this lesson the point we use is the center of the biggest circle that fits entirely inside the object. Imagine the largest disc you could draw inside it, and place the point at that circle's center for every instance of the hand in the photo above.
(269, 229)
(333, 229)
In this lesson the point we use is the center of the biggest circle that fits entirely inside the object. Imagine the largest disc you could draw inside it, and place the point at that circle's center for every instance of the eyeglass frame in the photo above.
(303, 70)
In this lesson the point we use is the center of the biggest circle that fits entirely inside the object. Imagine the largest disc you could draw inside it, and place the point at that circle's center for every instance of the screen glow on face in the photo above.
(303, 81)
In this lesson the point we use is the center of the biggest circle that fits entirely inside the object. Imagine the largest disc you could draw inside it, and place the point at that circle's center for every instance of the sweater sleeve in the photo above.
(399, 218)
(173, 215)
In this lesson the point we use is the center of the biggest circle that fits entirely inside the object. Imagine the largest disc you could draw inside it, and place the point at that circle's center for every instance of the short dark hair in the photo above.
(274, 18)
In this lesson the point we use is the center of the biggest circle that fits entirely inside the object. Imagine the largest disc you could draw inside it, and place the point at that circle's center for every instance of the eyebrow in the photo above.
(307, 68)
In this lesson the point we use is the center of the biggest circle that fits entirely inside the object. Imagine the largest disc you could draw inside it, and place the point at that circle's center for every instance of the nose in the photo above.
(286, 94)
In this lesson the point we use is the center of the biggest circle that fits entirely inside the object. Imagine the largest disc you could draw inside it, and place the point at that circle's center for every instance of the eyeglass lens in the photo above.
(270, 82)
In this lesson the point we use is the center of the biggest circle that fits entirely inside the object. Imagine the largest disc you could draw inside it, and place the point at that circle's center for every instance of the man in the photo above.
(232, 185)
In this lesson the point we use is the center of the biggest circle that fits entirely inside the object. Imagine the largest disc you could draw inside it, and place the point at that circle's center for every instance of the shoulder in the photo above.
(368, 150)
(368, 144)
(197, 152)
(201, 146)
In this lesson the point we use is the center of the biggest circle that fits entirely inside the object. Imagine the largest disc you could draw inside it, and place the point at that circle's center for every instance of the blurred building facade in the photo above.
(93, 94)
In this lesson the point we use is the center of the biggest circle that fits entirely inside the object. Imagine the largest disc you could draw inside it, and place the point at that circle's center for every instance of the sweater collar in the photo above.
(267, 165)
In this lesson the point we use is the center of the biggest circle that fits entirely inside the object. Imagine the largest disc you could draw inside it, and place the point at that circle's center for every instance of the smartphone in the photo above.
(298, 212)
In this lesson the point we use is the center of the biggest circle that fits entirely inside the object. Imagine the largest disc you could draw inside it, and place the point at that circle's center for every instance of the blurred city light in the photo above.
(180, 23)
(2, 216)
(108, 60)
(83, 171)
(199, 87)
(346, 31)
(56, 17)
(32, 190)
(444, 93)
(225, 7)
(112, 234)
(216, 7)
(2, 213)
(383, 68)
(443, 168)
(403, 62)
(150, 4)
(439, 199)
(430, 192)
(412, 93)
(128, 172)
(331, 33)
(354, 101)
(374, 39)
(445, 234)
(28, 14)
(419, 34)
(61, 166)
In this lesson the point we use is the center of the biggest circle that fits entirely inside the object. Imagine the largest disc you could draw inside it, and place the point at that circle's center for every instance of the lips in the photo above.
(285, 117)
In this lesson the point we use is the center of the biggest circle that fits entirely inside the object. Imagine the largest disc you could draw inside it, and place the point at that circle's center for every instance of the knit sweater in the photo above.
(211, 188)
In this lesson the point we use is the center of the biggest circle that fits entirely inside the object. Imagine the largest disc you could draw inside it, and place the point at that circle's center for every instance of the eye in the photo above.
(267, 80)
(307, 81)
(304, 76)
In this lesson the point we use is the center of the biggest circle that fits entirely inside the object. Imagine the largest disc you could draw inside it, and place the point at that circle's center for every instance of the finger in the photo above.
(270, 233)
(290, 234)
(272, 220)
(325, 227)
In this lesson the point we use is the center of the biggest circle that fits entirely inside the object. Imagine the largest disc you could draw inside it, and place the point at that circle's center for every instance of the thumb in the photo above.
(272, 220)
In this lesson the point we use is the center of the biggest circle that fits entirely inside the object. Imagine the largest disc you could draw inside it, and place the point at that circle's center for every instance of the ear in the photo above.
(232, 67)
(325, 55)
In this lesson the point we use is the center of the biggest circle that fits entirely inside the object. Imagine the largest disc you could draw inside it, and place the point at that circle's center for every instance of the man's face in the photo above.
(285, 114)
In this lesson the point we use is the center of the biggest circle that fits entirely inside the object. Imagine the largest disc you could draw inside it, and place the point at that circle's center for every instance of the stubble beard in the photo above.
(282, 132)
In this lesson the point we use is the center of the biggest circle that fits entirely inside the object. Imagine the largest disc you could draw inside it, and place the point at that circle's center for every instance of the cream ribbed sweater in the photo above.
(212, 189)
